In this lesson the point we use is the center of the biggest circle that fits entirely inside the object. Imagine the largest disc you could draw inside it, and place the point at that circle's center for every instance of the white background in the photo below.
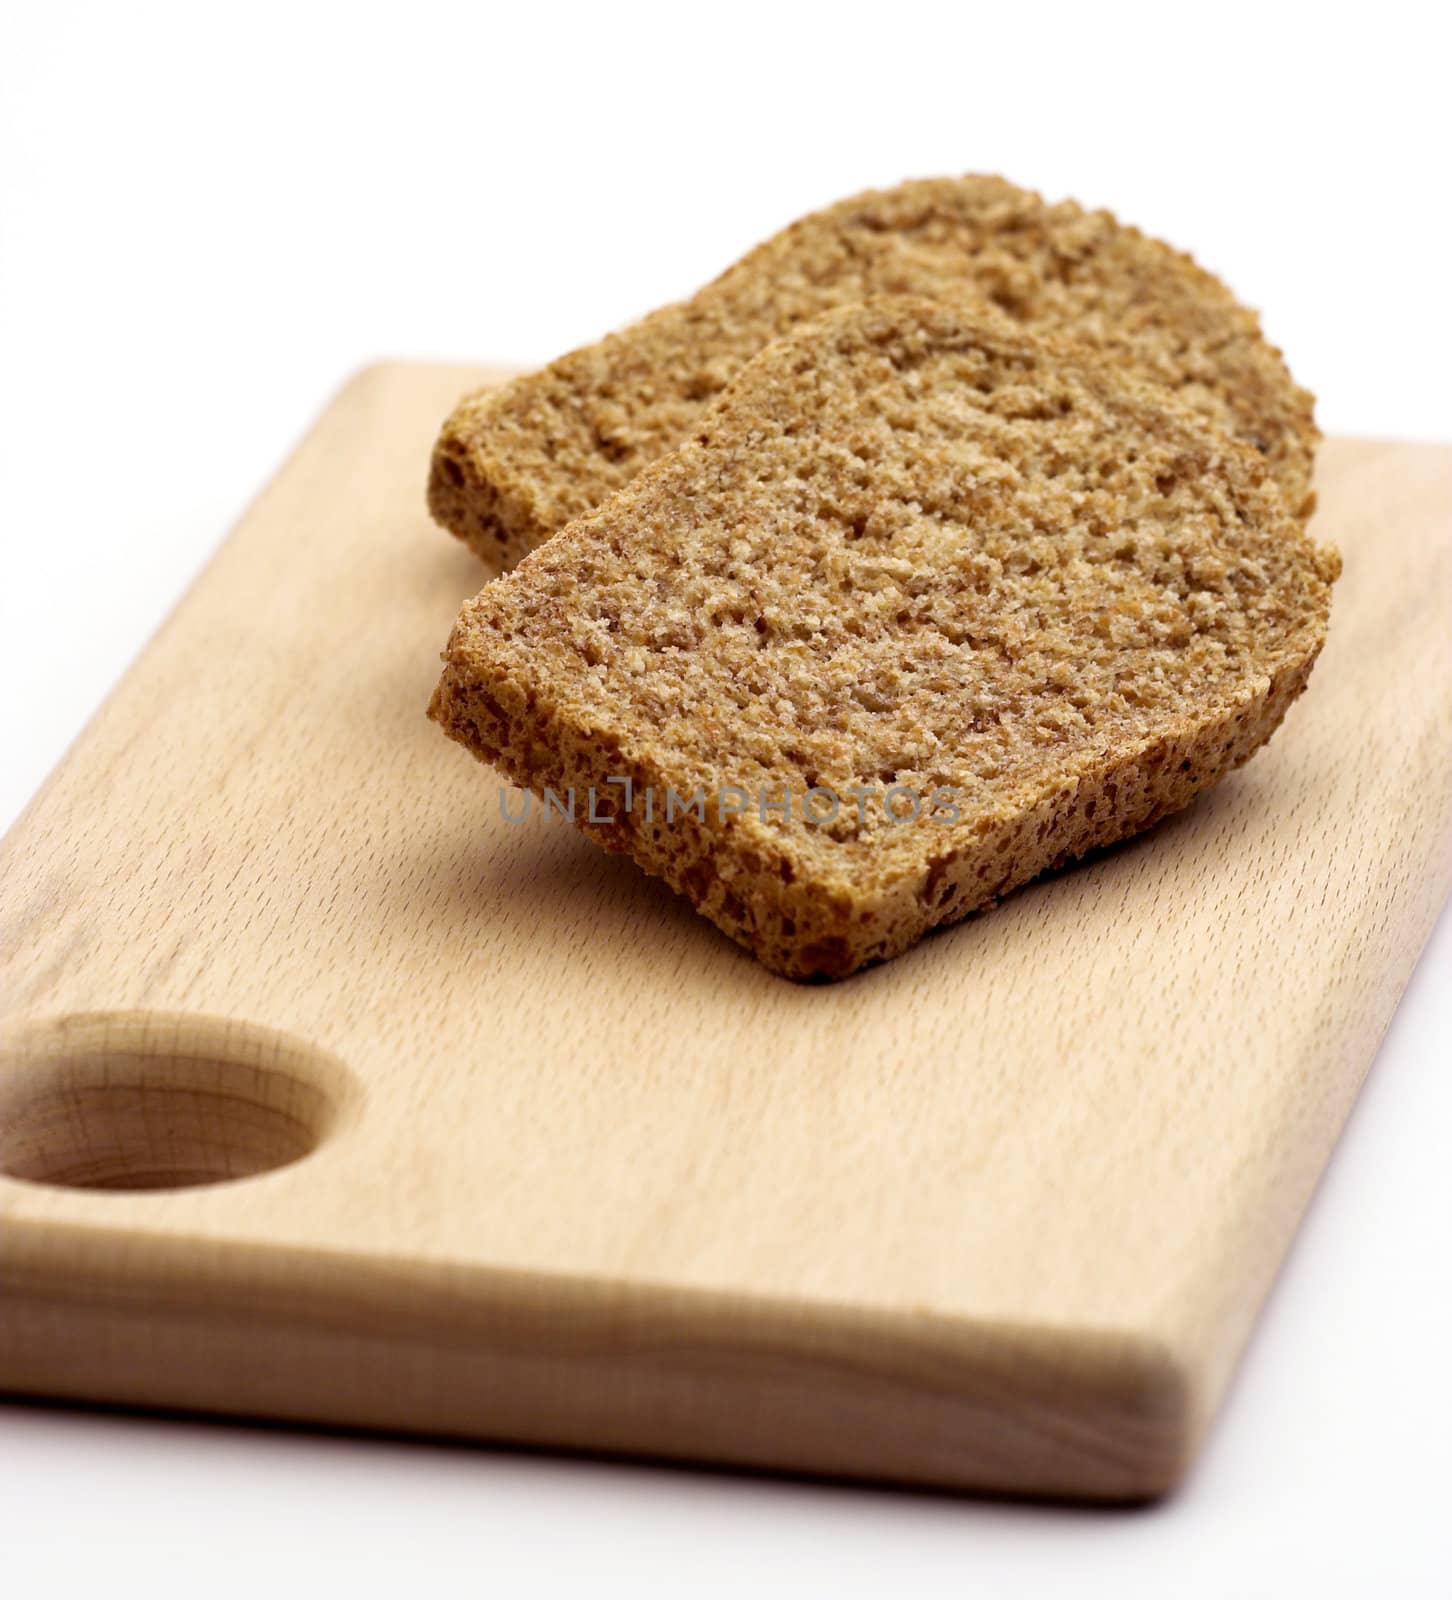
(210, 215)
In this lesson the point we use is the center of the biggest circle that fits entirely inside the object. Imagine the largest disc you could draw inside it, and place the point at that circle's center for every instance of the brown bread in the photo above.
(514, 464)
(908, 548)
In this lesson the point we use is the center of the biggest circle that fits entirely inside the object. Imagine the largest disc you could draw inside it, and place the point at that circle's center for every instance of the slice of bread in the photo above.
(514, 464)
(908, 549)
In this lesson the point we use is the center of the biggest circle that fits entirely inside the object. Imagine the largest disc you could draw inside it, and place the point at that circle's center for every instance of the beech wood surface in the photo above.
(564, 1164)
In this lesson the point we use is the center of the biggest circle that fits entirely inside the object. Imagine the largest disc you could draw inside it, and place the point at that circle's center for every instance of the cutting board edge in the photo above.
(619, 1367)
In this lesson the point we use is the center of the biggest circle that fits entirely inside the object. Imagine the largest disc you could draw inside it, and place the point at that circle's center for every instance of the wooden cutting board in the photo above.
(538, 1155)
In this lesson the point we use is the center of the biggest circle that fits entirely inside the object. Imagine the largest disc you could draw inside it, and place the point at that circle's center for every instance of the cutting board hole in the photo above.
(148, 1100)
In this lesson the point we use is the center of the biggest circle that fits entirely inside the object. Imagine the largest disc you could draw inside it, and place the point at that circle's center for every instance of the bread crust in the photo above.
(513, 464)
(918, 545)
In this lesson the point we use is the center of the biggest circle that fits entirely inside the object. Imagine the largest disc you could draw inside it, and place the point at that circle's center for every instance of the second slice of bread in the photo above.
(513, 464)
(910, 550)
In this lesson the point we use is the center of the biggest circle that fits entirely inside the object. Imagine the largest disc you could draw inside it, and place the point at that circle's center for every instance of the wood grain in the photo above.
(568, 1167)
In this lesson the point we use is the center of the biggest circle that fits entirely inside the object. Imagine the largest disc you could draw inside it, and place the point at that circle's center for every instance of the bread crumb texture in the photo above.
(909, 548)
(515, 464)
